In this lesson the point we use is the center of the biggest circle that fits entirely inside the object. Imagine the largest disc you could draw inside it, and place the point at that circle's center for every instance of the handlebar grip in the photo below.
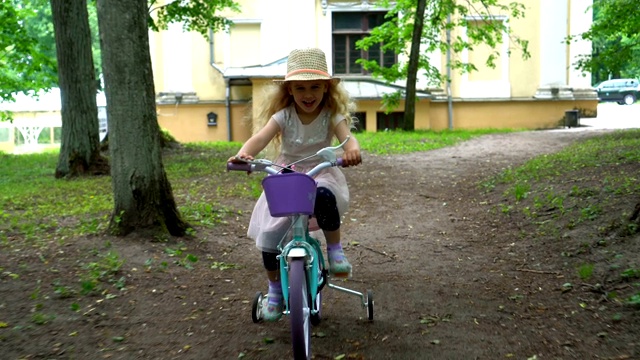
(341, 163)
(238, 166)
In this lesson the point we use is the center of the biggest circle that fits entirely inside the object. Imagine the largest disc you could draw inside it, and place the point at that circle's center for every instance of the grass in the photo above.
(606, 156)
(548, 182)
(586, 191)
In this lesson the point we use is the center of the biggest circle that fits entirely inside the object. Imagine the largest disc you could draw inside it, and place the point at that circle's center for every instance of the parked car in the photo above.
(622, 91)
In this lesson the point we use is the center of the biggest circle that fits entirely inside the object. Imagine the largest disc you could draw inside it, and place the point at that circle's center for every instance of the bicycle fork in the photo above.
(310, 255)
(300, 251)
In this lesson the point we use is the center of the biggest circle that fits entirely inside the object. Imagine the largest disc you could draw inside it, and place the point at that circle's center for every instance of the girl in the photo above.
(303, 114)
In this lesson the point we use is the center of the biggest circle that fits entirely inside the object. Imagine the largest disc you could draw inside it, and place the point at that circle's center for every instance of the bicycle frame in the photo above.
(293, 195)
(302, 245)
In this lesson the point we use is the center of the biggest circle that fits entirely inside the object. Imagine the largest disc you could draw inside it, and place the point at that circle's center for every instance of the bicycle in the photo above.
(303, 272)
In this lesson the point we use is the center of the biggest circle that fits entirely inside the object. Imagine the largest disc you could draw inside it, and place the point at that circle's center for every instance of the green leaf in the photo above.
(194, 15)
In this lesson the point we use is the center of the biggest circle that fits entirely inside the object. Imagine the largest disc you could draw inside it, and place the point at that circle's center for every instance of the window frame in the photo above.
(351, 35)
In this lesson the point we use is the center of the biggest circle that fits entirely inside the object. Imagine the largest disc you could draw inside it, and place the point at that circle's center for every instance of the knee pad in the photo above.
(326, 210)
(270, 260)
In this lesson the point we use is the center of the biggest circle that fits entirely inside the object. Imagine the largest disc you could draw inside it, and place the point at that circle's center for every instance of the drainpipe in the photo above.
(227, 83)
(449, 99)
(228, 105)
(211, 57)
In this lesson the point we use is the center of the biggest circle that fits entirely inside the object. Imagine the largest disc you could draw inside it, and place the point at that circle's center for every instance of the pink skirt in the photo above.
(269, 231)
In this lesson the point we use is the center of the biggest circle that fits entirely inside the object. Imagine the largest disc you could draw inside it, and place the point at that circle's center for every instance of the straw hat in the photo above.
(307, 64)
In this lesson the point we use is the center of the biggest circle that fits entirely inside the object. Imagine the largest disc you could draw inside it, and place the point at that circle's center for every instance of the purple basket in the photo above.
(290, 194)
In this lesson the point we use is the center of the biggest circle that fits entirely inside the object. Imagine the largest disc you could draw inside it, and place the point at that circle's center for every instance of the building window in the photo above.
(348, 28)
(391, 121)
(481, 52)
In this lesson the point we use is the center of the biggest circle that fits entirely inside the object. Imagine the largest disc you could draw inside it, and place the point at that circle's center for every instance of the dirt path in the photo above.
(442, 289)
(443, 275)
(450, 280)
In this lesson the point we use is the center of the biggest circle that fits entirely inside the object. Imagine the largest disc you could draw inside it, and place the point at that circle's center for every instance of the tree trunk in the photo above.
(412, 72)
(143, 199)
(80, 149)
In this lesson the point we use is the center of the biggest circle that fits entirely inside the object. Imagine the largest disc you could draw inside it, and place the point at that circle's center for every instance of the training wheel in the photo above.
(370, 304)
(256, 308)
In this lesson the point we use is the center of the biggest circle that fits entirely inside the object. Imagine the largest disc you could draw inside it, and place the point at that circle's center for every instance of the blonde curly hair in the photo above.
(336, 99)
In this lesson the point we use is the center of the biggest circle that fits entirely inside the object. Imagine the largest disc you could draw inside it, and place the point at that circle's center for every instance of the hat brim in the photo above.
(307, 77)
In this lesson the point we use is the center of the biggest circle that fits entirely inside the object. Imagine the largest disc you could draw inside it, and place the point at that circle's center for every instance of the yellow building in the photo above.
(206, 88)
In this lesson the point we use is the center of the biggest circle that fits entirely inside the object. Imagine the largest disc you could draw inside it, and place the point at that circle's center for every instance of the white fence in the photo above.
(26, 135)
(37, 122)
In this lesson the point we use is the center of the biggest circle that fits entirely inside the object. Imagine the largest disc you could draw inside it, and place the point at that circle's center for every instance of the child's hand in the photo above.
(238, 158)
(351, 157)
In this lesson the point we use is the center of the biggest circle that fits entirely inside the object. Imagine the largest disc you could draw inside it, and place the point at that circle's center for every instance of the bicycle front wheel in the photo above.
(299, 310)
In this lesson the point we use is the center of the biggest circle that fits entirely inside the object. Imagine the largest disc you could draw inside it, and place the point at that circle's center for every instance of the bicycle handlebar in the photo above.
(328, 154)
(251, 167)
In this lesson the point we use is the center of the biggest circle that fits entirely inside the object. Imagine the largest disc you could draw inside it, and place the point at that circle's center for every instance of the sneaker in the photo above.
(339, 266)
(271, 312)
